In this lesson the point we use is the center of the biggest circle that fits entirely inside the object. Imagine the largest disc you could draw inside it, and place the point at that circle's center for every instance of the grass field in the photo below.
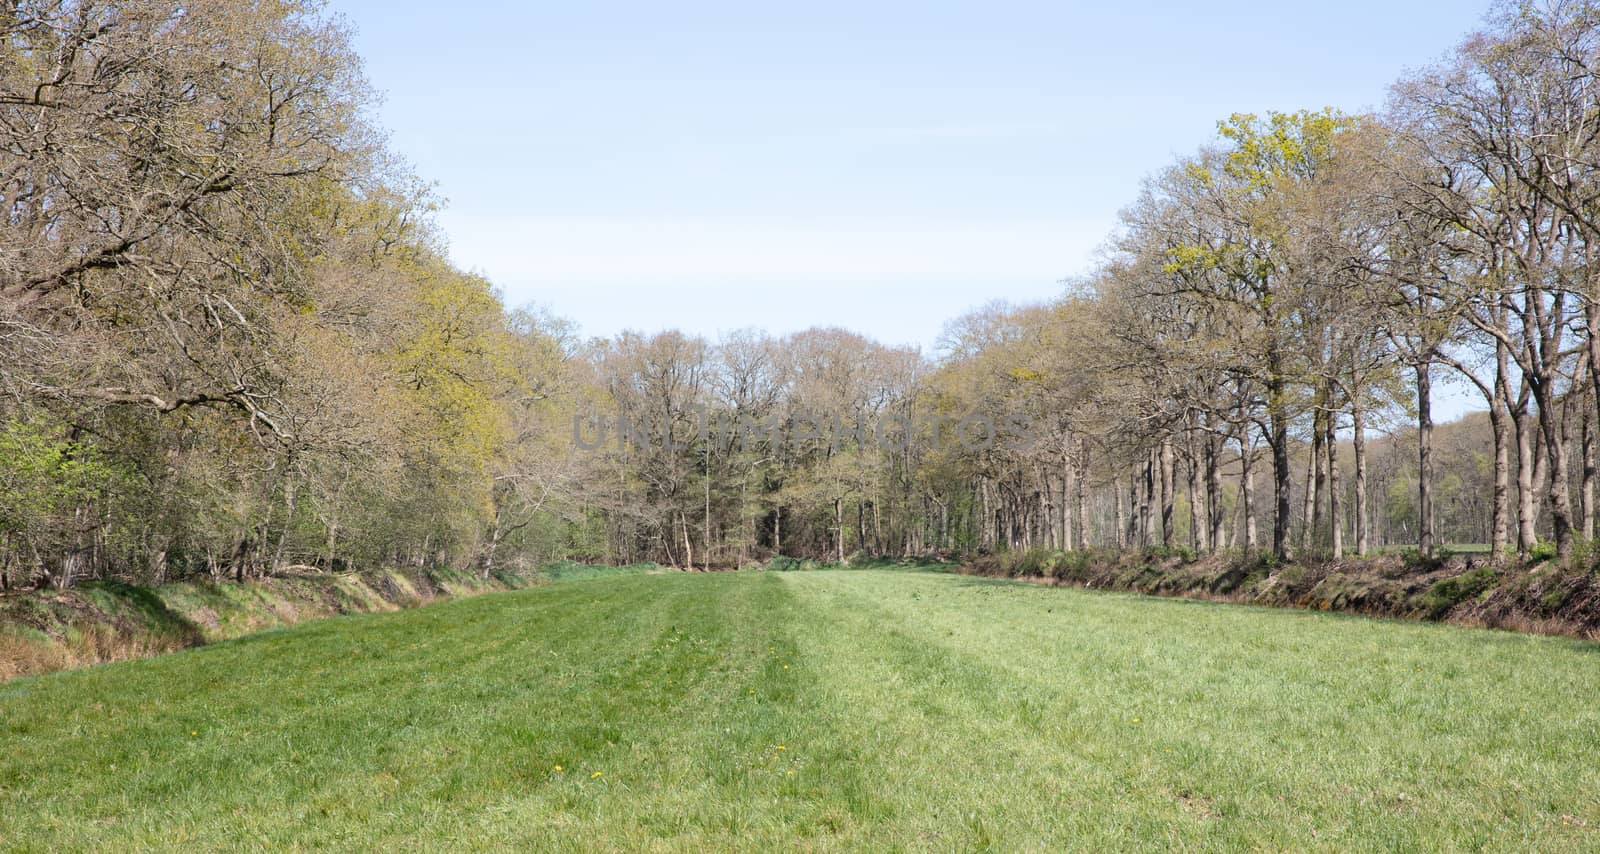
(866, 709)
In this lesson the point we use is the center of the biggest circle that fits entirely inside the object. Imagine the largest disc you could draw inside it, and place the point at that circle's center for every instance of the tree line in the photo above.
(229, 337)
(230, 340)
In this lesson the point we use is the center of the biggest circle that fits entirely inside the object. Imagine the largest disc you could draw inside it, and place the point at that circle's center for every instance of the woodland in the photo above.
(231, 341)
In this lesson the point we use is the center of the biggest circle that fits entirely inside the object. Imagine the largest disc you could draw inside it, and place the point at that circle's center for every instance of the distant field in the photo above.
(832, 709)
(1447, 548)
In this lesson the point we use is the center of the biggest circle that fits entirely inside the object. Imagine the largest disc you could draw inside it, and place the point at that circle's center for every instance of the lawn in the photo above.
(832, 709)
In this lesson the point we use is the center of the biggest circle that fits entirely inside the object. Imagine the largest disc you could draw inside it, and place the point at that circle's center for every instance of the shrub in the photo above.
(1542, 552)
(1072, 566)
(1583, 555)
(779, 563)
(1447, 594)
(1182, 553)
(1554, 598)
(1033, 563)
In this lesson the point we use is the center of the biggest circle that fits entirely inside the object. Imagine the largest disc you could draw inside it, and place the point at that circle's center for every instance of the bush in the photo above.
(780, 563)
(1447, 594)
(1071, 566)
(1416, 561)
(1554, 598)
(1033, 563)
(1182, 553)
(568, 570)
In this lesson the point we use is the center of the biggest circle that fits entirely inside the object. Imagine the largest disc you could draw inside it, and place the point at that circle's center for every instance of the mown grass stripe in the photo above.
(820, 710)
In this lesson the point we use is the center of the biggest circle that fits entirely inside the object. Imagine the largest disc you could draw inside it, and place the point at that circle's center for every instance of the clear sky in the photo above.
(882, 166)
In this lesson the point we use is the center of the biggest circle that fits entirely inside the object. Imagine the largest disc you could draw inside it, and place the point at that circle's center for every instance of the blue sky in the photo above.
(882, 166)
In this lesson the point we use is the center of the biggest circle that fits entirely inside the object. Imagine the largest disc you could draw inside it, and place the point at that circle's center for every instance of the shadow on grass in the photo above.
(149, 609)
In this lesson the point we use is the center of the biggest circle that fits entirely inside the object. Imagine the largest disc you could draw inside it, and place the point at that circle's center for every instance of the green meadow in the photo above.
(867, 709)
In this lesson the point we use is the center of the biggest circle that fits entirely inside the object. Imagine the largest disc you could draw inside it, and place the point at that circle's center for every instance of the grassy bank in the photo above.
(822, 710)
(1541, 597)
(98, 622)
(45, 631)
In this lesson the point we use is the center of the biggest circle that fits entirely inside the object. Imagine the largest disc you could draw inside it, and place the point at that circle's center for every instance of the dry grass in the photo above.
(20, 656)
(82, 646)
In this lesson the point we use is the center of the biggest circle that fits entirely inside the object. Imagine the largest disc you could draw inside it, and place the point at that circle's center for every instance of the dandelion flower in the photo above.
(596, 775)
(781, 747)
(558, 769)
(194, 732)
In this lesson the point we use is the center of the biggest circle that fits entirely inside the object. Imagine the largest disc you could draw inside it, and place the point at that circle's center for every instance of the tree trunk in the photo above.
(1167, 485)
(1335, 500)
(1280, 480)
(748, 522)
(980, 511)
(1425, 542)
(1247, 487)
(1586, 489)
(1197, 529)
(1500, 523)
(494, 546)
(1147, 520)
(1499, 423)
(1319, 475)
(1308, 500)
(1047, 508)
(1527, 496)
(239, 552)
(331, 542)
(1591, 346)
(838, 528)
(1068, 528)
(289, 488)
(1358, 428)
(1214, 542)
(688, 548)
(1117, 519)
(1556, 455)
(706, 542)
(1081, 499)
(877, 528)
(861, 527)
